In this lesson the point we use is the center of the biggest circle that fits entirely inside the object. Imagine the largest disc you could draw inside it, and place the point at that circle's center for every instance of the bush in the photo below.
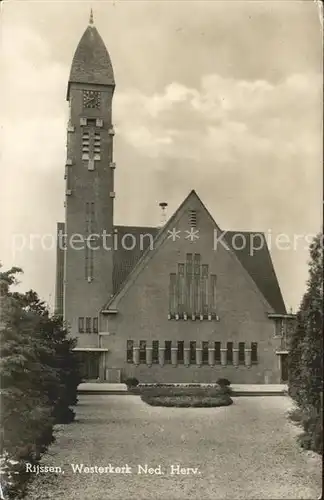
(223, 382)
(226, 389)
(306, 353)
(39, 379)
(131, 382)
(312, 438)
(159, 384)
(183, 391)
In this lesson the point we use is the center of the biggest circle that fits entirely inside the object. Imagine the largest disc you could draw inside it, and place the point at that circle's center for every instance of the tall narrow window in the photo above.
(230, 353)
(217, 352)
(279, 327)
(142, 351)
(193, 352)
(173, 293)
(81, 325)
(91, 260)
(197, 259)
(67, 178)
(189, 264)
(90, 242)
(205, 353)
(93, 243)
(181, 289)
(87, 218)
(92, 217)
(88, 325)
(167, 351)
(180, 351)
(155, 351)
(254, 352)
(87, 232)
(204, 289)
(86, 261)
(241, 353)
(213, 279)
(95, 325)
(196, 283)
(130, 349)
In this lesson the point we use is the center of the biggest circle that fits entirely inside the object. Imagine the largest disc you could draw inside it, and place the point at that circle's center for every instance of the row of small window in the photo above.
(88, 325)
(193, 316)
(205, 347)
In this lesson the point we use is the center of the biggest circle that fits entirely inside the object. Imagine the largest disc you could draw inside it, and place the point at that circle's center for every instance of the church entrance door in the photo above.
(284, 368)
(89, 364)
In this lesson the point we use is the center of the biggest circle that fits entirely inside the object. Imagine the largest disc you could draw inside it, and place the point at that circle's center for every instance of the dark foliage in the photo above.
(223, 382)
(199, 392)
(39, 378)
(186, 401)
(306, 353)
(132, 382)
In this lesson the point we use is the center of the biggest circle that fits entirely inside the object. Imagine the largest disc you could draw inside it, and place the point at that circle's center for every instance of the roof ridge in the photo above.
(162, 230)
(139, 264)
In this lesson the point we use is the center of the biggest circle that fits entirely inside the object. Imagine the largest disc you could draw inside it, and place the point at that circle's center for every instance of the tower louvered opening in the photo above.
(193, 218)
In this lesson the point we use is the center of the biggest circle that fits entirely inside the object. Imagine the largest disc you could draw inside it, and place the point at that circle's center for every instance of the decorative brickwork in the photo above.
(192, 291)
(185, 353)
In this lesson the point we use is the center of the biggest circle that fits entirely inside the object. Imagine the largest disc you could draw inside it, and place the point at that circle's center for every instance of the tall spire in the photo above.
(91, 62)
(91, 17)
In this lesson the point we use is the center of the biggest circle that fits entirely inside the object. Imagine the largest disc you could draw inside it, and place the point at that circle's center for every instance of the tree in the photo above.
(306, 353)
(38, 370)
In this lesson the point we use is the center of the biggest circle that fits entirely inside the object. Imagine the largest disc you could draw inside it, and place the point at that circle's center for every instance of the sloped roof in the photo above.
(91, 62)
(258, 264)
(125, 260)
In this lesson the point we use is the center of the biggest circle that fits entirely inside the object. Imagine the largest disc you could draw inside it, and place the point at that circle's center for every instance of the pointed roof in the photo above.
(258, 265)
(91, 62)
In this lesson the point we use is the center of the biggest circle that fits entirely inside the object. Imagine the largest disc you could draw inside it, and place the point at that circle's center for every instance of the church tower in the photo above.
(89, 189)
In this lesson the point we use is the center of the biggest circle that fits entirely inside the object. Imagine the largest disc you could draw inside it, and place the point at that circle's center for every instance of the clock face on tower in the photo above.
(91, 99)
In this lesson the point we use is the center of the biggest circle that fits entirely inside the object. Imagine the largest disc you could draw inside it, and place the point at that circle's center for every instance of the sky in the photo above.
(224, 97)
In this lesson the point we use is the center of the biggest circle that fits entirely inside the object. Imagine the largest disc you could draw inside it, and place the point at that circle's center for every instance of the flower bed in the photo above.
(183, 391)
(187, 401)
(184, 395)
(177, 385)
(176, 390)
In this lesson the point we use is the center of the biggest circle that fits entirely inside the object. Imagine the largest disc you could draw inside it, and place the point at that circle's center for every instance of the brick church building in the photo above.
(185, 302)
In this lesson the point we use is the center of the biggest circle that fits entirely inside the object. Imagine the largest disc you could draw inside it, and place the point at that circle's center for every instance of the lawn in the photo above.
(244, 451)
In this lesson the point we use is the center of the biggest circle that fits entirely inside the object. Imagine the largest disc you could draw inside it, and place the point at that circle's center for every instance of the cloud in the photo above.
(144, 139)
(226, 119)
(32, 149)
